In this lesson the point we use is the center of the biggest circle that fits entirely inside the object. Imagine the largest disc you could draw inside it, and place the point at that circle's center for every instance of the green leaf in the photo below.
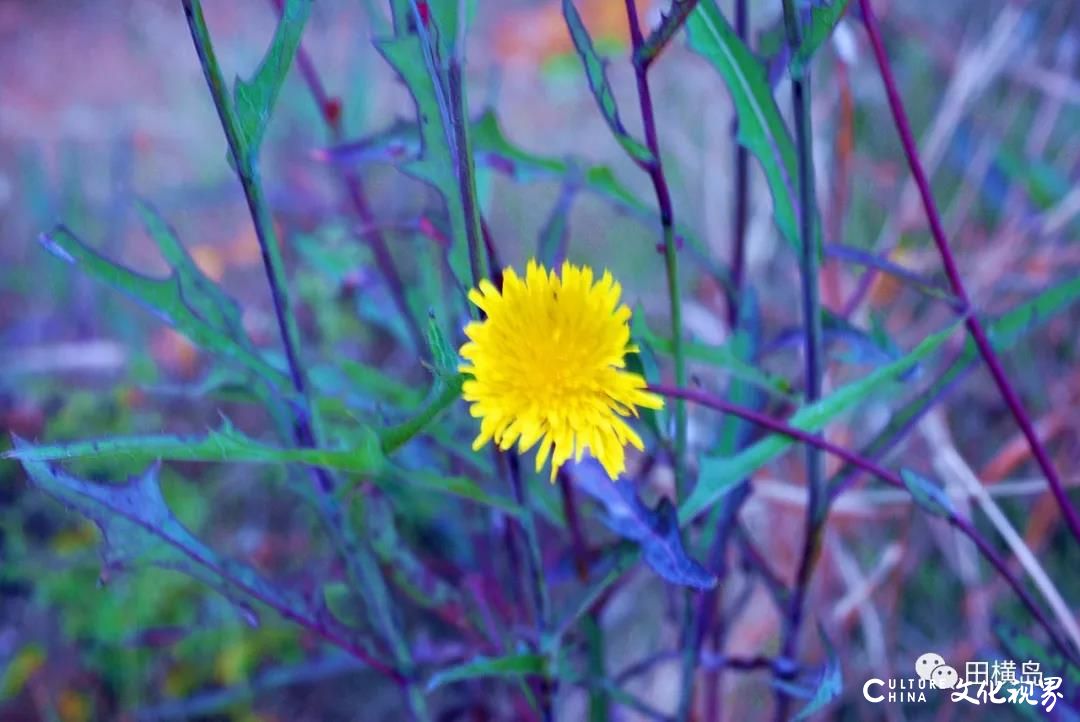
(1009, 328)
(761, 126)
(253, 100)
(1003, 333)
(444, 357)
(596, 74)
(928, 495)
(445, 159)
(823, 20)
(184, 299)
(809, 418)
(224, 445)
(20, 669)
(512, 666)
(725, 357)
(345, 605)
(459, 486)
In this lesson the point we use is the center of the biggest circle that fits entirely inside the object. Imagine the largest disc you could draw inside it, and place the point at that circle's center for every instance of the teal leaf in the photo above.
(656, 531)
(224, 445)
(722, 471)
(761, 126)
(253, 100)
(509, 666)
(596, 74)
(929, 496)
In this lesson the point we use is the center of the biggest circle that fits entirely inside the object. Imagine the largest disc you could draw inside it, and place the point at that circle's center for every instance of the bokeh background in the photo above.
(103, 102)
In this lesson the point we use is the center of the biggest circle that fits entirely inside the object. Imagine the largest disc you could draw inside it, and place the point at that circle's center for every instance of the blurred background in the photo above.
(103, 103)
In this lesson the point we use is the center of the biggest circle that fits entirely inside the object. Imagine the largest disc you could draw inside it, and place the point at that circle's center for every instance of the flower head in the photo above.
(548, 365)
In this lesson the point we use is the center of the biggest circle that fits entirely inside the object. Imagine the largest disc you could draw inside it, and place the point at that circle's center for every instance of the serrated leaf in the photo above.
(182, 299)
(929, 496)
(596, 74)
(809, 418)
(423, 64)
(513, 665)
(224, 445)
(253, 100)
(655, 530)
(761, 126)
(138, 527)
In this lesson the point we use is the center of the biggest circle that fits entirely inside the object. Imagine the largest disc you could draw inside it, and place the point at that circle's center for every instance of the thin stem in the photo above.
(655, 170)
(260, 215)
(363, 570)
(963, 525)
(808, 273)
(395, 437)
(978, 334)
(536, 582)
(874, 468)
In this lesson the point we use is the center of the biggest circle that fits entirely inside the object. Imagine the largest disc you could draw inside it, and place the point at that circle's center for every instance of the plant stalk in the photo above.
(937, 229)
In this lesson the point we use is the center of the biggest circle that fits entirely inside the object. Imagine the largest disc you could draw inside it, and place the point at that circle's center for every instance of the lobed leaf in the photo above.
(761, 127)
(655, 530)
(253, 100)
(186, 299)
(138, 527)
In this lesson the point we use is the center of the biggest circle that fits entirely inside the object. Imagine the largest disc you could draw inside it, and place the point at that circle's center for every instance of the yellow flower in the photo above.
(548, 366)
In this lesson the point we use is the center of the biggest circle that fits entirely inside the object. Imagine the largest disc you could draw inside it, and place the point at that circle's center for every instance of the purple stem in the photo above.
(963, 525)
(817, 501)
(978, 334)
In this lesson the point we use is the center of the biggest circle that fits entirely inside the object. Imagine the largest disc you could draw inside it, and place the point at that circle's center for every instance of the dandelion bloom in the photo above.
(548, 365)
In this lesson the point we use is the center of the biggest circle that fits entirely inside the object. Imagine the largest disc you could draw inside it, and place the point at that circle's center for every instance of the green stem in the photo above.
(395, 437)
(364, 573)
